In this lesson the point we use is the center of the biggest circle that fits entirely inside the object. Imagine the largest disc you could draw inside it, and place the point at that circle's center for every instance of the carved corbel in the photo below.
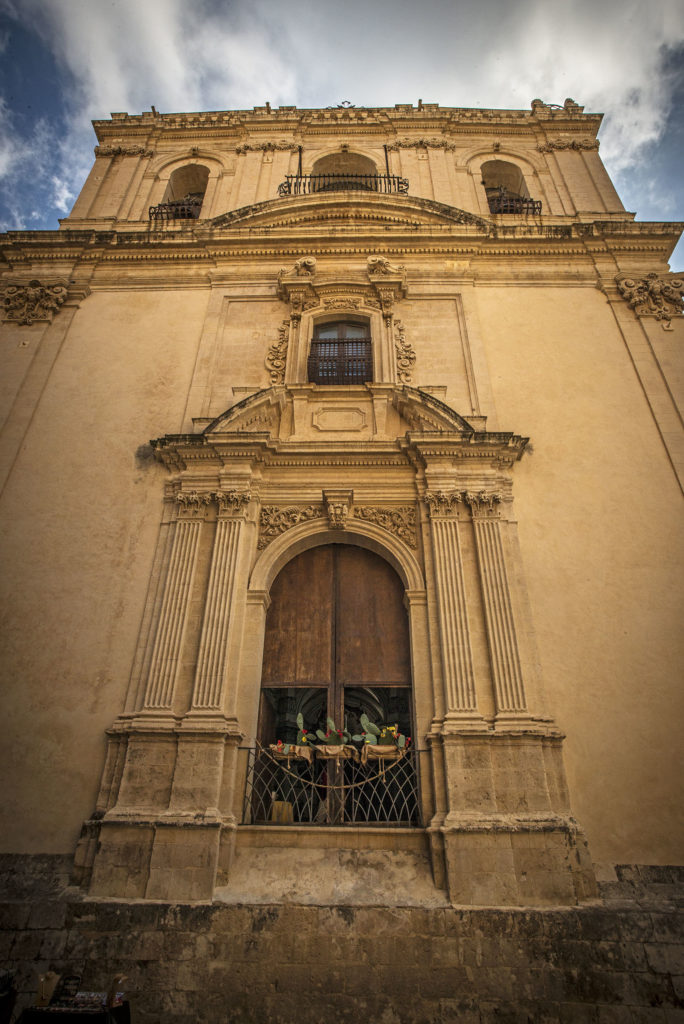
(656, 295)
(26, 304)
(337, 505)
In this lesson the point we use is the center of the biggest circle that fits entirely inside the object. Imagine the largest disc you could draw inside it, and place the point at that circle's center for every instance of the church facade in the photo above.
(352, 421)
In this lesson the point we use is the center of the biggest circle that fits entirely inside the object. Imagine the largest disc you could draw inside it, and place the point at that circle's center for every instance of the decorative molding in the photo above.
(482, 503)
(232, 503)
(26, 304)
(296, 286)
(193, 504)
(274, 520)
(123, 151)
(433, 142)
(656, 295)
(443, 503)
(577, 144)
(337, 505)
(400, 521)
(406, 357)
(342, 303)
(267, 147)
(276, 360)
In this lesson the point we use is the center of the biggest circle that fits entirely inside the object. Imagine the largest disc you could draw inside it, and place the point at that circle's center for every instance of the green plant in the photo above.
(334, 736)
(384, 735)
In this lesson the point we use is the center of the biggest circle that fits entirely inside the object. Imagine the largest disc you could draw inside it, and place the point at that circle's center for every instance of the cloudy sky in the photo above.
(65, 62)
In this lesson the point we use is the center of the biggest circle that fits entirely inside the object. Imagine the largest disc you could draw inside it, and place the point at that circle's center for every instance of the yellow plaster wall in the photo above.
(599, 514)
(80, 519)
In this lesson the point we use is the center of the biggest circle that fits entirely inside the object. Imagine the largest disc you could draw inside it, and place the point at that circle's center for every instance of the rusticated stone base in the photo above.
(617, 960)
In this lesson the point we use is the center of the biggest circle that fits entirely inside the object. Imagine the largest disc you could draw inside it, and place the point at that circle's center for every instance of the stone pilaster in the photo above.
(168, 641)
(454, 630)
(509, 690)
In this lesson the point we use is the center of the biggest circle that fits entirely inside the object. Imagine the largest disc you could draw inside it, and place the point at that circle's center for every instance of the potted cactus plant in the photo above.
(300, 749)
(334, 743)
(381, 742)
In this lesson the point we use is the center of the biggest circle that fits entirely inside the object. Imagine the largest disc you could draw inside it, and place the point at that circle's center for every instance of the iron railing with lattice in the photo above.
(178, 210)
(329, 791)
(340, 361)
(500, 200)
(305, 184)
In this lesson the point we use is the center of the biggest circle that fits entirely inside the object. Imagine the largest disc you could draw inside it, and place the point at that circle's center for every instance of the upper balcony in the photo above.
(305, 184)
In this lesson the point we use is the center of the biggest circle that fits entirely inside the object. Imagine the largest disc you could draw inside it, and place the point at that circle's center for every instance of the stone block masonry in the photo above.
(620, 959)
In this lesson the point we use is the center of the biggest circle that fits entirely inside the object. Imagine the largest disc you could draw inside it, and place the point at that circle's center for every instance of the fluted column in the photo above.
(209, 676)
(509, 690)
(168, 641)
(454, 629)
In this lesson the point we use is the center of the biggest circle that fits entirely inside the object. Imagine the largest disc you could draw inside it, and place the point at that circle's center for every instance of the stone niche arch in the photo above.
(515, 174)
(172, 178)
(187, 180)
(344, 162)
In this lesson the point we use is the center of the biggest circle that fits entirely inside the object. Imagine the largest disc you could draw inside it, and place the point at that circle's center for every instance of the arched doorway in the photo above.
(336, 646)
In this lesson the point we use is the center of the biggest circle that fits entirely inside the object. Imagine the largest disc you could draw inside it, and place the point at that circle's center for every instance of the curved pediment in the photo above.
(363, 413)
(348, 207)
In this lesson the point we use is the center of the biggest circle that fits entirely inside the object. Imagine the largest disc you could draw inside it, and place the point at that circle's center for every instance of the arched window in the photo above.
(506, 188)
(341, 353)
(341, 172)
(336, 647)
(184, 194)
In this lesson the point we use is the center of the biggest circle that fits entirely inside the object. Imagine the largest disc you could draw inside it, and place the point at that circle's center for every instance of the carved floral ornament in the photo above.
(28, 303)
(266, 147)
(406, 357)
(337, 508)
(386, 283)
(194, 504)
(434, 142)
(655, 295)
(577, 144)
(446, 503)
(123, 151)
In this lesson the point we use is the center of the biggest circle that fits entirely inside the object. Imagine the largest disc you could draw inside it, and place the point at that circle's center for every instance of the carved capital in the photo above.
(655, 295)
(193, 504)
(276, 360)
(337, 505)
(443, 503)
(232, 503)
(26, 304)
(406, 357)
(274, 520)
(483, 503)
(400, 521)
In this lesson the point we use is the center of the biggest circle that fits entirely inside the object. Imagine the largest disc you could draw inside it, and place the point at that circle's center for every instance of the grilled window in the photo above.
(341, 353)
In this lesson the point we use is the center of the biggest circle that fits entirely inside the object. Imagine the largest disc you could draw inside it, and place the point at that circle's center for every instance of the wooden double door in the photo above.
(336, 644)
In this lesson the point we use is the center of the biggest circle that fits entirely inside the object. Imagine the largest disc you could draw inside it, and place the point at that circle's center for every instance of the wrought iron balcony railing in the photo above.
(178, 210)
(502, 201)
(305, 184)
(317, 791)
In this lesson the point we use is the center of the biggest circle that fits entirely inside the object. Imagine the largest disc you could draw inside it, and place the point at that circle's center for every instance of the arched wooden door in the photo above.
(336, 643)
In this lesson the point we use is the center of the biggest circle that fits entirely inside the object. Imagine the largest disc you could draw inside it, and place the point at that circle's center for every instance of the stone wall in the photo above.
(617, 960)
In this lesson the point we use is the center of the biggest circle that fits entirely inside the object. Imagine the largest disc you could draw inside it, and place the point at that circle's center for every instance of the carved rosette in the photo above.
(232, 503)
(443, 503)
(193, 504)
(400, 521)
(274, 520)
(406, 357)
(483, 504)
(26, 304)
(655, 295)
(276, 360)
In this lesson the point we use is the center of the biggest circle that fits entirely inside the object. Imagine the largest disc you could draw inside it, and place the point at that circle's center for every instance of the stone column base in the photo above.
(516, 863)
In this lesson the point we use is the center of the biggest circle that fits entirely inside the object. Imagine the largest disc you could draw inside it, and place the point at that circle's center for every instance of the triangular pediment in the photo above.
(348, 208)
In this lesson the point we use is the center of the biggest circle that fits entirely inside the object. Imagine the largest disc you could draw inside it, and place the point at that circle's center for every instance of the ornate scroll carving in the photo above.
(434, 142)
(123, 151)
(276, 360)
(406, 357)
(274, 520)
(296, 286)
(400, 521)
(342, 303)
(266, 147)
(656, 295)
(576, 144)
(192, 504)
(337, 505)
(232, 503)
(443, 503)
(381, 265)
(28, 303)
(482, 503)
